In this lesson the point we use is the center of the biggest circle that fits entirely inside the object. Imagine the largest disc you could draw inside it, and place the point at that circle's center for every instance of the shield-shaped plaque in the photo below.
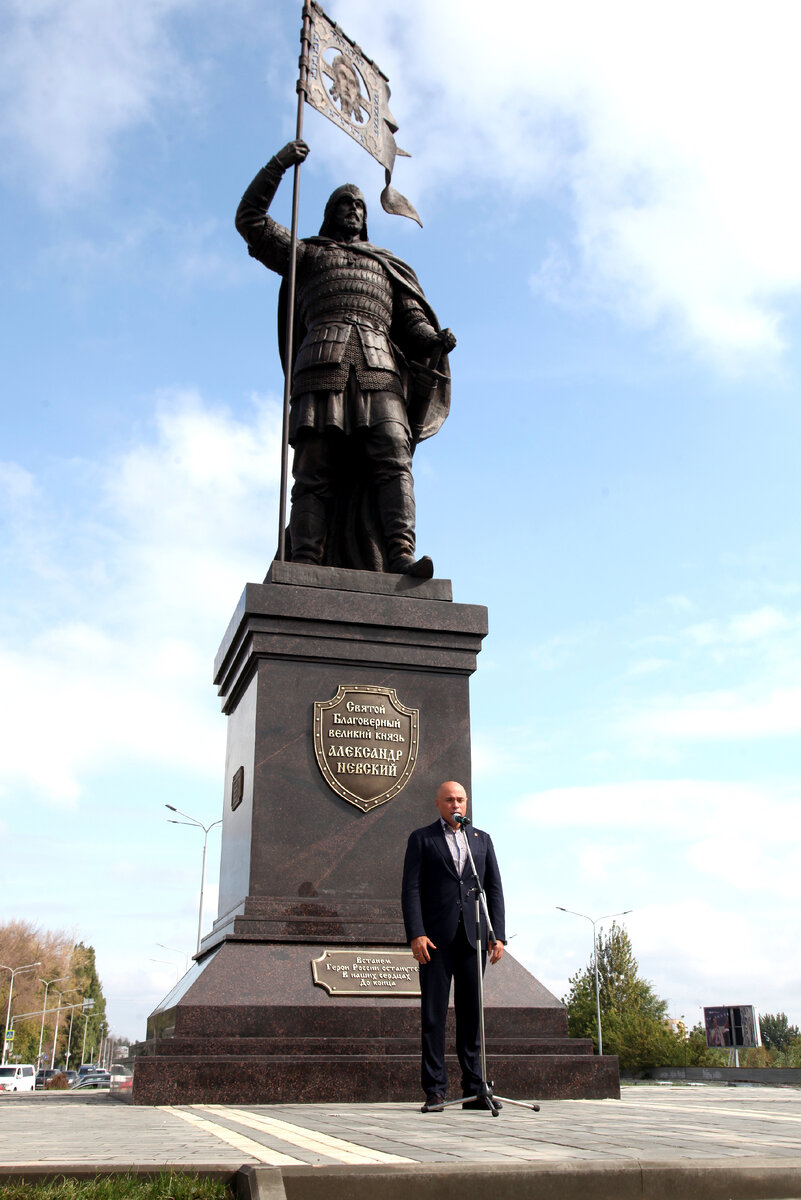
(365, 743)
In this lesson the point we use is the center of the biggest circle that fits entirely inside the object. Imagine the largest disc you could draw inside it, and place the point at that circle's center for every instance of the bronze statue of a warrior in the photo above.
(369, 379)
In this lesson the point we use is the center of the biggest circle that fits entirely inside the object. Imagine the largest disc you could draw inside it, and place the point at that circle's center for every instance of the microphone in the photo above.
(460, 820)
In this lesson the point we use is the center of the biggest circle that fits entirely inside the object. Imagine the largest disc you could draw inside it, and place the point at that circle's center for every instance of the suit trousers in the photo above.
(457, 962)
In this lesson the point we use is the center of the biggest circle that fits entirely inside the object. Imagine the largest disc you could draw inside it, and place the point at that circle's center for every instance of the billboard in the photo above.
(732, 1026)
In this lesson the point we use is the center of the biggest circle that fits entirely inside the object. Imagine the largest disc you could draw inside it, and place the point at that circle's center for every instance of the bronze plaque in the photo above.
(365, 743)
(367, 973)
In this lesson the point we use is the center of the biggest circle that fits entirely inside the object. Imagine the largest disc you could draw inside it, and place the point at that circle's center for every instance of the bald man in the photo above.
(439, 915)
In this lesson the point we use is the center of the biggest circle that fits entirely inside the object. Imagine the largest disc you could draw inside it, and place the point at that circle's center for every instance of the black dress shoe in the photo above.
(434, 1103)
(480, 1102)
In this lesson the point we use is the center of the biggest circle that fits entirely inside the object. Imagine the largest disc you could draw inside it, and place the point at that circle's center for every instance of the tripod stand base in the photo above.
(485, 1100)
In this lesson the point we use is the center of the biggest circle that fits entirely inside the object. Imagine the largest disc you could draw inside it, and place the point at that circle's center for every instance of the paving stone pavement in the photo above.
(648, 1124)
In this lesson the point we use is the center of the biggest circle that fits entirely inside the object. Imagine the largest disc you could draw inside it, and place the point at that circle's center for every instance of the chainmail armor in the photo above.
(332, 377)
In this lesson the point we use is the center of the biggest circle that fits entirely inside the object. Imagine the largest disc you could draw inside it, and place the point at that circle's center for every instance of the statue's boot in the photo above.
(397, 512)
(420, 568)
(307, 530)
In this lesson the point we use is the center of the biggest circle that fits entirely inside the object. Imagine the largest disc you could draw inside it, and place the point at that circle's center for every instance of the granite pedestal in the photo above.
(303, 869)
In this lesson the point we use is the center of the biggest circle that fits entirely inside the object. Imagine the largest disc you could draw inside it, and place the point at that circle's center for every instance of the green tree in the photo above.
(72, 969)
(757, 1056)
(89, 1025)
(633, 1018)
(791, 1056)
(777, 1032)
(698, 1054)
(22, 942)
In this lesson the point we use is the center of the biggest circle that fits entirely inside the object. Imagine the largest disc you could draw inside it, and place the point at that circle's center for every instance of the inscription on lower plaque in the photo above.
(365, 743)
(367, 973)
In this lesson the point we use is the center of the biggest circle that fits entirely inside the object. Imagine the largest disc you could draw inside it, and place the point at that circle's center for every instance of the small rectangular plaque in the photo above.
(237, 788)
(367, 973)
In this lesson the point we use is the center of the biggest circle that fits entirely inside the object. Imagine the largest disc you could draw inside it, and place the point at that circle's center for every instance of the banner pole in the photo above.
(293, 248)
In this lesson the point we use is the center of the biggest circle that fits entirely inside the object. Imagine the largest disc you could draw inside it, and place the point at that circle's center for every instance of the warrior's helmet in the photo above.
(347, 189)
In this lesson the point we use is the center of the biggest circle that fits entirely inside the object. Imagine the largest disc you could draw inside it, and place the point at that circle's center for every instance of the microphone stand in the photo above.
(484, 1092)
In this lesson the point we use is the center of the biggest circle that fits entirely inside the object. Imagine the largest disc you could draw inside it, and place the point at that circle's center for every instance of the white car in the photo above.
(19, 1078)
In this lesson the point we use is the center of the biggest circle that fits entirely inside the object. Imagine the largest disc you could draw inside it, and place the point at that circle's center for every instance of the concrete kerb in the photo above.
(614, 1179)
(716, 1179)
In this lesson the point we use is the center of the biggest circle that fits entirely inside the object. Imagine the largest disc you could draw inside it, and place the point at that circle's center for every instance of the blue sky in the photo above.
(610, 201)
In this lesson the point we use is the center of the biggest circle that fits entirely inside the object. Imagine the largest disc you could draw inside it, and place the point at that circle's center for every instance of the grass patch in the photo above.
(120, 1187)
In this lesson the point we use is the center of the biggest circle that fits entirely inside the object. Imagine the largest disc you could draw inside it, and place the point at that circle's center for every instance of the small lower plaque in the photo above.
(367, 973)
(237, 789)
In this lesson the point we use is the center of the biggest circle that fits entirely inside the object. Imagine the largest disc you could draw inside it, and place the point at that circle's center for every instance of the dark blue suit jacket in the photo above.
(433, 895)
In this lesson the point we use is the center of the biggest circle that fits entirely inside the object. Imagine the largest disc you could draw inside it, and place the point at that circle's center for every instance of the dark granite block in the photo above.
(298, 861)
(359, 1079)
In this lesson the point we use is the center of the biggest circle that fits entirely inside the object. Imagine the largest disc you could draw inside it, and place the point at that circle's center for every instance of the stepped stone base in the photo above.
(248, 1025)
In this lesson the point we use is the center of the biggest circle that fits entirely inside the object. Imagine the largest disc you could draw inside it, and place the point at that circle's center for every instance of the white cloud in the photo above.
(761, 862)
(601, 864)
(121, 673)
(74, 76)
(555, 653)
(665, 134)
(646, 666)
(741, 675)
(17, 485)
(693, 939)
(749, 714)
(741, 628)
(680, 603)
(704, 865)
(678, 809)
(150, 243)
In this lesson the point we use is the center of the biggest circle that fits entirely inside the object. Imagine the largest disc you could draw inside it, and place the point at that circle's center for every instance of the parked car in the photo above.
(72, 1076)
(20, 1077)
(95, 1079)
(121, 1086)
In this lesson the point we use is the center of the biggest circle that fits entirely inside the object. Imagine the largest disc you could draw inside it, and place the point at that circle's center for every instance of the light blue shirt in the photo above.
(456, 844)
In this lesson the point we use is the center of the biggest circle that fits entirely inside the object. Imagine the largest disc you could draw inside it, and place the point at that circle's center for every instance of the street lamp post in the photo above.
(173, 950)
(66, 992)
(14, 971)
(86, 1007)
(594, 922)
(206, 828)
(69, 1036)
(47, 983)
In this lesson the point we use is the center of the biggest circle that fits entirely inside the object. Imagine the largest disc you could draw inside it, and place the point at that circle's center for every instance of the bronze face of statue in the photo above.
(369, 379)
